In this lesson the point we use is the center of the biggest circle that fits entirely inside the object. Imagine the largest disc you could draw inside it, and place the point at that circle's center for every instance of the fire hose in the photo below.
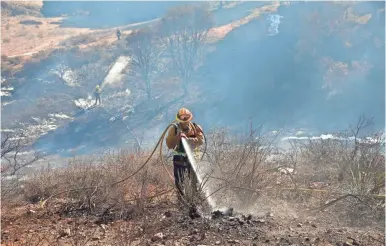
(159, 143)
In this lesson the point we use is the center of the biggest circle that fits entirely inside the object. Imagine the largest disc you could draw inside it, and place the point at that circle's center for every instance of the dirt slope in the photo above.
(159, 223)
(165, 224)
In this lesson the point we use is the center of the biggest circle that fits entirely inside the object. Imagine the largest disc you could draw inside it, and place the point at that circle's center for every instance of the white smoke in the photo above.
(274, 26)
(84, 103)
(115, 73)
(6, 91)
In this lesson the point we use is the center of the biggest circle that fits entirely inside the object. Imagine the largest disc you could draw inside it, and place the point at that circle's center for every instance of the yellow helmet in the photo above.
(97, 86)
(184, 115)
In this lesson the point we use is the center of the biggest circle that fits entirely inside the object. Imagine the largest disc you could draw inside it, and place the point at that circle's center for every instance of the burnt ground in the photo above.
(166, 224)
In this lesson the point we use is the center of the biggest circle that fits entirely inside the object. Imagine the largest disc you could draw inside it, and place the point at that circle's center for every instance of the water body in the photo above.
(105, 14)
(99, 14)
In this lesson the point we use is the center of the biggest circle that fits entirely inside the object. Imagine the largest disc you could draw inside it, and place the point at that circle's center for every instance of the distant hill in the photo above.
(99, 14)
(13, 8)
(323, 68)
(309, 74)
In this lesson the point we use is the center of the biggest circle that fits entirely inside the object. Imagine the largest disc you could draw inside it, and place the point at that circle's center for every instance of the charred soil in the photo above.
(165, 223)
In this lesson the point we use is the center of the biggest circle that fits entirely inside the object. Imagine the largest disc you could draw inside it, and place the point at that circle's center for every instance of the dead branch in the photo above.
(185, 30)
(337, 200)
(13, 144)
(142, 48)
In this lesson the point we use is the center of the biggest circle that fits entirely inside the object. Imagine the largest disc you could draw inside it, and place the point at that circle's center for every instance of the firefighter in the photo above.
(184, 128)
(97, 93)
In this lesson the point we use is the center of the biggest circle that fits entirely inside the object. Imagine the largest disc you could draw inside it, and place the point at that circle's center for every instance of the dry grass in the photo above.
(79, 40)
(13, 8)
(20, 40)
(248, 179)
(321, 172)
(25, 39)
(247, 169)
(218, 33)
(98, 173)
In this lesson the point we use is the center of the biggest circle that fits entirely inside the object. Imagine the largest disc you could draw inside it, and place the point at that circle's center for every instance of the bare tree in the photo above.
(14, 159)
(141, 47)
(185, 31)
(91, 74)
(365, 162)
(12, 146)
(61, 67)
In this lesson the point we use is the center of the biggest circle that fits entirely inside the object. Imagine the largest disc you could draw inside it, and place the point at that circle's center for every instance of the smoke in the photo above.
(280, 80)
(115, 74)
(84, 103)
(274, 26)
(6, 91)
(252, 75)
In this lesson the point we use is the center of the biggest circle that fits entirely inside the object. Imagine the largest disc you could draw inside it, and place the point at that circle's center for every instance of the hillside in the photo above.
(82, 54)
(319, 72)
(290, 96)
(17, 8)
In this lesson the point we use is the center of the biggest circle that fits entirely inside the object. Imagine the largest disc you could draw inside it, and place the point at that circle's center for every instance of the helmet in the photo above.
(97, 86)
(184, 115)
